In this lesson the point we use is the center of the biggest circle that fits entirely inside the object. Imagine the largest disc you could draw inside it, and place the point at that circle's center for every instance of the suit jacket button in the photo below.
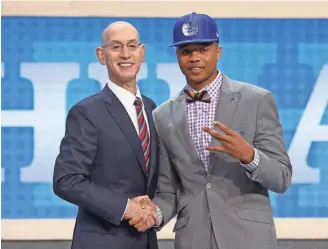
(208, 185)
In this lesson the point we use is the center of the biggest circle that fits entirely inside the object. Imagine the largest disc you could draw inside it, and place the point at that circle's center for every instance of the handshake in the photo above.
(141, 213)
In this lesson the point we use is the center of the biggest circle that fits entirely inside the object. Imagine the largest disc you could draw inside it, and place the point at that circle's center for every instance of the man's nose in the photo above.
(125, 53)
(194, 57)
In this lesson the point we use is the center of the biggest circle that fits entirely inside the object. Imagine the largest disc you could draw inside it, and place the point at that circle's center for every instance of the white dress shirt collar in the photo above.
(127, 98)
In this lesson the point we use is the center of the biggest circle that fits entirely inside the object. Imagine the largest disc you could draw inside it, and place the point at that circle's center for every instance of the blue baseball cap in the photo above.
(195, 28)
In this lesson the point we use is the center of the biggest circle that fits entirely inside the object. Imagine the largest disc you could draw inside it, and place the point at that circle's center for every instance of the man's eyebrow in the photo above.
(131, 40)
(200, 44)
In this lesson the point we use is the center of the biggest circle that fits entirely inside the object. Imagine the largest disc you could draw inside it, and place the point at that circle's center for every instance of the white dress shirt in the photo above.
(127, 99)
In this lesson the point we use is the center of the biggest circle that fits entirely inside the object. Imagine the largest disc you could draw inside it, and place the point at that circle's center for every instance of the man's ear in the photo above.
(101, 55)
(218, 52)
(142, 52)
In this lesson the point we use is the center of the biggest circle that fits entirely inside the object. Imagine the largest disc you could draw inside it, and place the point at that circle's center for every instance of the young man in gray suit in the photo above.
(221, 151)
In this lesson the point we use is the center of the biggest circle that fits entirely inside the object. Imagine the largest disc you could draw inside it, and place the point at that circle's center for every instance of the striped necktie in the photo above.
(143, 131)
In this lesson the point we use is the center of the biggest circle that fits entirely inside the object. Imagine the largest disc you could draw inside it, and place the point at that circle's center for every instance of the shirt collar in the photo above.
(127, 98)
(213, 88)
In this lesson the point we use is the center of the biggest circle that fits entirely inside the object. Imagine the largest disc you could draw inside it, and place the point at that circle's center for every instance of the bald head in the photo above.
(116, 29)
(121, 52)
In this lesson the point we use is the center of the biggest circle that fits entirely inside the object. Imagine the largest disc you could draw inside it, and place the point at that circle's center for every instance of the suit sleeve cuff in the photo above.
(252, 166)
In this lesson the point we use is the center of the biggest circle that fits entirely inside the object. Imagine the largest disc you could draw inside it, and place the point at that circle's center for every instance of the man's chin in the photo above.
(128, 76)
(196, 79)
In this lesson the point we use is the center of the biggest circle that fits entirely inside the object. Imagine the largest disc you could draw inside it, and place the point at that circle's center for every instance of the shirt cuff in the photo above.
(159, 216)
(252, 166)
(125, 209)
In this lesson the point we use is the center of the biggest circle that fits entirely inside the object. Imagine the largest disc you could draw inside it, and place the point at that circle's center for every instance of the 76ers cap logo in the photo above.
(189, 29)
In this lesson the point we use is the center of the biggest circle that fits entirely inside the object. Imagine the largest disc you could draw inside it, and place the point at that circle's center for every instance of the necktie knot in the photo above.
(192, 96)
(138, 102)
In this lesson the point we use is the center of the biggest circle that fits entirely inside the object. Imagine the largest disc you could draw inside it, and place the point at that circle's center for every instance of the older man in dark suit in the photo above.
(107, 157)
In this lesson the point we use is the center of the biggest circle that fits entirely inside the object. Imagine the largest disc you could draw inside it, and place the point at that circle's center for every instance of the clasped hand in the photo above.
(141, 213)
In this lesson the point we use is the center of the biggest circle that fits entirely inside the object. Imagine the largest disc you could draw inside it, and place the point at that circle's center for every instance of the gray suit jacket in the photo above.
(226, 199)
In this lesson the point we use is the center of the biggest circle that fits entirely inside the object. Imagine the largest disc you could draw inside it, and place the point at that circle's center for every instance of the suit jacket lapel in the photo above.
(224, 113)
(118, 112)
(179, 112)
(152, 164)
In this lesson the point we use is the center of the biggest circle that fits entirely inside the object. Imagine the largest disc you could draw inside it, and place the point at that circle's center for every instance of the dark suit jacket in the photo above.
(100, 166)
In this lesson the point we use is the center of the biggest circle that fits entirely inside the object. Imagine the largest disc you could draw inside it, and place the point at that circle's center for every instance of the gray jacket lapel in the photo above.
(180, 122)
(224, 113)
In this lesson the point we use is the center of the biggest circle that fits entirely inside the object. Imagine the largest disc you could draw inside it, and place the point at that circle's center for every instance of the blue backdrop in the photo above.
(48, 64)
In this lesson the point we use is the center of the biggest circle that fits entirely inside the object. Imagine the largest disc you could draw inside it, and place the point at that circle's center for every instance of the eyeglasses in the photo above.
(117, 47)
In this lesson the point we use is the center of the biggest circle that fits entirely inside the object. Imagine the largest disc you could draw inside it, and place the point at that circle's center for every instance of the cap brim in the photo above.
(193, 41)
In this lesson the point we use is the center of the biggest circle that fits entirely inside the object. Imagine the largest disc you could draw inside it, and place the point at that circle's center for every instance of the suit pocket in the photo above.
(255, 215)
(181, 222)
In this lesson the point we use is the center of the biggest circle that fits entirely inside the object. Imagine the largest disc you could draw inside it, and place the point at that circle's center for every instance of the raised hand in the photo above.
(232, 143)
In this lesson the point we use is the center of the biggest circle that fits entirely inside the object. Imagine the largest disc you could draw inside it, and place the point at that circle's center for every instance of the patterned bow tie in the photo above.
(192, 96)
